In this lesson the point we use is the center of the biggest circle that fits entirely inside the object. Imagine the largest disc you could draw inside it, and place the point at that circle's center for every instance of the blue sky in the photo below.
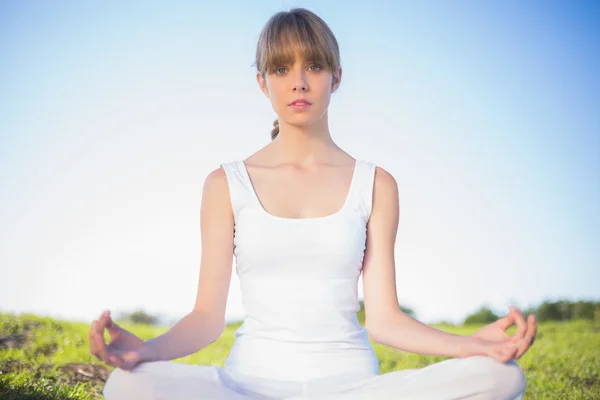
(112, 114)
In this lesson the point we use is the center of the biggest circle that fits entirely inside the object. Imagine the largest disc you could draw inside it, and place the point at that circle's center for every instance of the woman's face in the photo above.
(303, 80)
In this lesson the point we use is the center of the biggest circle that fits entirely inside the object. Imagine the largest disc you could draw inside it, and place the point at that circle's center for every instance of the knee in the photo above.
(122, 384)
(500, 380)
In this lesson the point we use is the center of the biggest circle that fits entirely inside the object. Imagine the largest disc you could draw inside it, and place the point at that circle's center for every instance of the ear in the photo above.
(337, 79)
(262, 83)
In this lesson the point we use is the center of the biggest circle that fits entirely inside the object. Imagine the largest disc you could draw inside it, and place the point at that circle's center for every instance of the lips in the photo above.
(300, 102)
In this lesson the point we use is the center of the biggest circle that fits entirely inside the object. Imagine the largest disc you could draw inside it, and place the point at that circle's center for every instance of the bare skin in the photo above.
(317, 174)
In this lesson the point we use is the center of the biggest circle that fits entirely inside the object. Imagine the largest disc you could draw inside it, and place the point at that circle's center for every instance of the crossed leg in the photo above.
(162, 380)
(473, 378)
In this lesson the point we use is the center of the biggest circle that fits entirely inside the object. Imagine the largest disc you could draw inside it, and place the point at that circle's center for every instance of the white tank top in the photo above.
(299, 283)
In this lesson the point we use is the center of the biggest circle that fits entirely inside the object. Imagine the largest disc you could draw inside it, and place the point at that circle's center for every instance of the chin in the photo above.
(303, 124)
(303, 120)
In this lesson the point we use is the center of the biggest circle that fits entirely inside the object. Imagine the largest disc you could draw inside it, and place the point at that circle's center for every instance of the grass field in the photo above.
(43, 358)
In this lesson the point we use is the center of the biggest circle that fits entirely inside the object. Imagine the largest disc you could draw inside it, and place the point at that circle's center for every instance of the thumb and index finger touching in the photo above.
(514, 317)
(105, 321)
(111, 325)
(97, 330)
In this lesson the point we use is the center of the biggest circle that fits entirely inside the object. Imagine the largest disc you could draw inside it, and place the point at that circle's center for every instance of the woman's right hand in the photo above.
(124, 351)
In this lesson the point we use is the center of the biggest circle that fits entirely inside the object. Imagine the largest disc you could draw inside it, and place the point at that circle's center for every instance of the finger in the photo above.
(505, 353)
(524, 345)
(105, 322)
(95, 339)
(506, 321)
(511, 352)
(533, 326)
(109, 320)
(531, 329)
(97, 327)
(104, 319)
(529, 338)
(521, 324)
(100, 346)
(112, 326)
(501, 351)
(91, 338)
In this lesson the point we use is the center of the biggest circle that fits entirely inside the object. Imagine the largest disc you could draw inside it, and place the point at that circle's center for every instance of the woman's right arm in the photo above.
(205, 323)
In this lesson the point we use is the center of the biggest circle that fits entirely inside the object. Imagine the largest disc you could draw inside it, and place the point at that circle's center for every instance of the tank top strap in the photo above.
(241, 192)
(362, 187)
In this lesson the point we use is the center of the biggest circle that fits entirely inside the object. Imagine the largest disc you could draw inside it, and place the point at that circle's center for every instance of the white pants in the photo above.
(474, 378)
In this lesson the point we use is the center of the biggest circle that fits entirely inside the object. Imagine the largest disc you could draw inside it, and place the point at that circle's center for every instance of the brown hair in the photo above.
(298, 31)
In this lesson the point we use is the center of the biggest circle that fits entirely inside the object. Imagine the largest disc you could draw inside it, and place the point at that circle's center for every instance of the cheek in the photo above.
(324, 91)
(323, 87)
(278, 101)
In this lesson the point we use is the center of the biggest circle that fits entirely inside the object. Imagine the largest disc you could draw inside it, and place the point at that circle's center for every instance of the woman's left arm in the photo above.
(387, 324)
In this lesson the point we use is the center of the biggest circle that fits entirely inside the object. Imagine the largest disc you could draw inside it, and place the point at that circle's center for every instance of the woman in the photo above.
(304, 220)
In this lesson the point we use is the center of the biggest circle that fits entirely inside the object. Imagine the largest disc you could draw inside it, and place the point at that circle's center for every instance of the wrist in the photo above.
(470, 347)
(148, 352)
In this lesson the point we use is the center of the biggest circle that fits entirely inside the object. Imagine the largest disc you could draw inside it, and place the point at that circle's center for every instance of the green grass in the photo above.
(43, 358)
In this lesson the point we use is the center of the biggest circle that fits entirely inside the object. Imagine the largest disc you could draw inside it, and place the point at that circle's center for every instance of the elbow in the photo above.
(374, 329)
(218, 332)
(209, 323)
(380, 329)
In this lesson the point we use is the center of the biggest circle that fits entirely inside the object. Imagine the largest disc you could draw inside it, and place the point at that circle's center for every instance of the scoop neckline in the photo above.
(321, 218)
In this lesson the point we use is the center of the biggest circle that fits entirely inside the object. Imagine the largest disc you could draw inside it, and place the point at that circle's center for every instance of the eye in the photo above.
(279, 69)
(316, 67)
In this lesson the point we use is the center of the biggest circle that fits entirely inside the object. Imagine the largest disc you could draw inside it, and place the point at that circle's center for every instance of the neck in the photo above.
(303, 145)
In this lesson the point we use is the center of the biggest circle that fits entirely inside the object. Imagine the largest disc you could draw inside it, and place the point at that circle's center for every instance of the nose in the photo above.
(300, 84)
(300, 87)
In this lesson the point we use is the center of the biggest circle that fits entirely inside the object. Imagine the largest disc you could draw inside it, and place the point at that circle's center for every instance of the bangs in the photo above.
(289, 36)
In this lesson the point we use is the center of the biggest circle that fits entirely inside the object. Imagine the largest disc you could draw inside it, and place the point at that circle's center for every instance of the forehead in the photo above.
(290, 45)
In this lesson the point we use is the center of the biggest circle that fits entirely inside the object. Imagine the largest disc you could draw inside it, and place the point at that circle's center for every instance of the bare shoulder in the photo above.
(216, 181)
(384, 178)
(385, 188)
(215, 192)
(216, 178)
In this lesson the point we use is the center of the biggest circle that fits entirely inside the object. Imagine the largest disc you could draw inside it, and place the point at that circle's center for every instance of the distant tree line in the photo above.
(139, 317)
(562, 310)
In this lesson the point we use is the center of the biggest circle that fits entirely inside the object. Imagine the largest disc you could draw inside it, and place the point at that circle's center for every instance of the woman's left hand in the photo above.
(496, 333)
